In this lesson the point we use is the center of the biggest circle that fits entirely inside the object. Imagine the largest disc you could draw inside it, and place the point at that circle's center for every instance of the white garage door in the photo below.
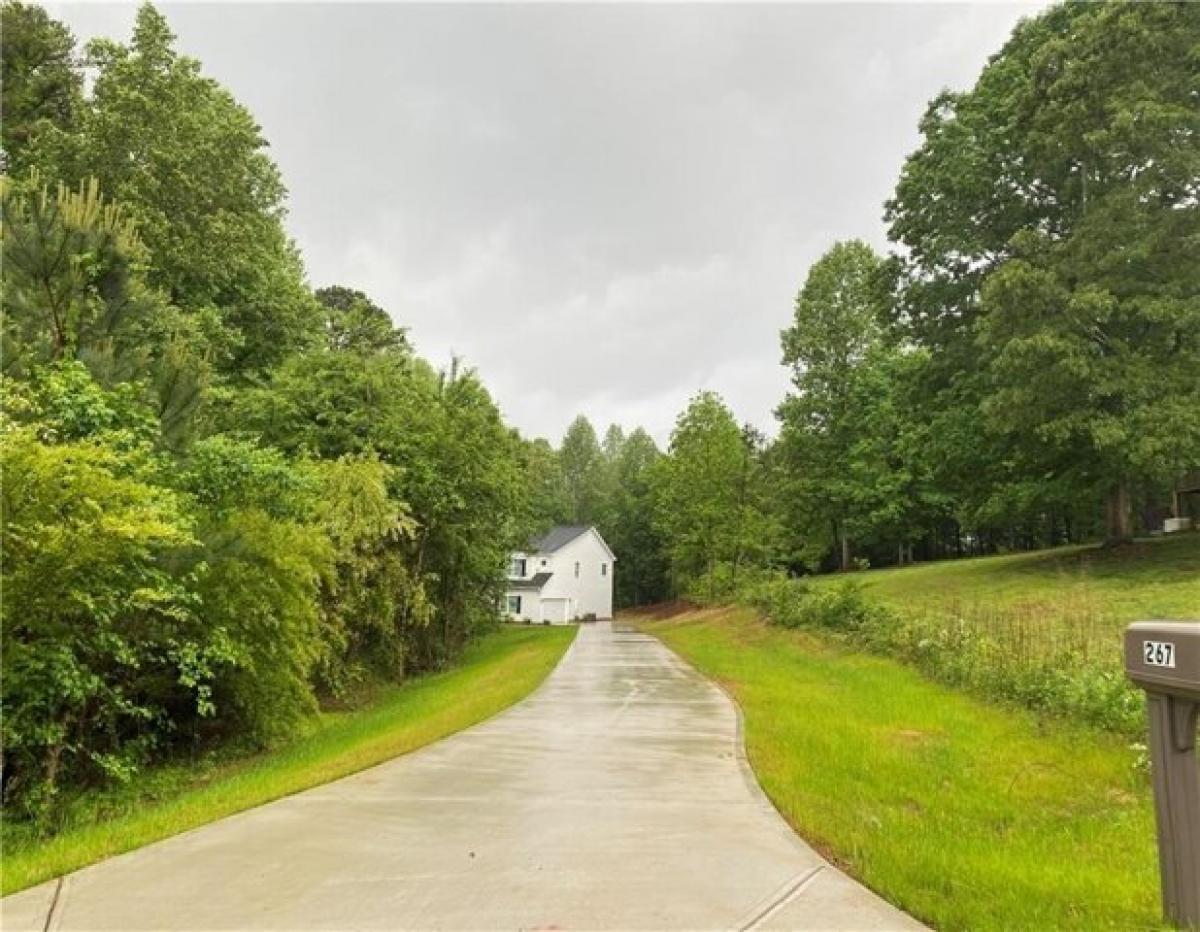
(555, 610)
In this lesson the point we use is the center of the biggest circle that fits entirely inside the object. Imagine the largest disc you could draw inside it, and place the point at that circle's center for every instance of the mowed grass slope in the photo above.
(1154, 578)
(496, 671)
(967, 815)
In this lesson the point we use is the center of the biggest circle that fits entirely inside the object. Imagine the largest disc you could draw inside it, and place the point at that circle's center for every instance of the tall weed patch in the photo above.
(1056, 668)
(1057, 660)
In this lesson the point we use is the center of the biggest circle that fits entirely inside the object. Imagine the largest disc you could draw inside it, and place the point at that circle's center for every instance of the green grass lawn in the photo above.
(1154, 578)
(966, 815)
(496, 672)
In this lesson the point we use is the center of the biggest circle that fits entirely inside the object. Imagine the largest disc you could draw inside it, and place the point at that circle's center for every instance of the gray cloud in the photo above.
(602, 208)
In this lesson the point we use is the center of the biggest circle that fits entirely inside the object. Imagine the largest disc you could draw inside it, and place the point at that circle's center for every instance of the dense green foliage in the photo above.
(583, 468)
(42, 87)
(189, 164)
(849, 454)
(226, 497)
(1049, 226)
(1021, 371)
(707, 496)
(629, 522)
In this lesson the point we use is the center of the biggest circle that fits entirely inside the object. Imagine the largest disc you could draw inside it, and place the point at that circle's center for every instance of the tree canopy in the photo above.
(1049, 225)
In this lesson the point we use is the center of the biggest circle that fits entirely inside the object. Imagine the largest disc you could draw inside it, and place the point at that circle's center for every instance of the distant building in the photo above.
(565, 575)
(1185, 498)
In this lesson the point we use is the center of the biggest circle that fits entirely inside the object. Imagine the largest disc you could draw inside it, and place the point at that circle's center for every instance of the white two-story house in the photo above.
(565, 575)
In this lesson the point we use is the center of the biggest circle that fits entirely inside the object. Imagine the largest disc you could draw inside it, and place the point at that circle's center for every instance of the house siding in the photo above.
(591, 592)
(566, 597)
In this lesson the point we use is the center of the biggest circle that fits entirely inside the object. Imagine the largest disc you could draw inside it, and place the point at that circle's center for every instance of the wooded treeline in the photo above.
(1021, 370)
(226, 495)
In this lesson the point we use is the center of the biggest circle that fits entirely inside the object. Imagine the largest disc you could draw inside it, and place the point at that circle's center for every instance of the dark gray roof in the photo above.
(558, 536)
(534, 582)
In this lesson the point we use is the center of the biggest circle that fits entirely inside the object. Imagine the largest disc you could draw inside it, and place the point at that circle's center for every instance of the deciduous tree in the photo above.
(697, 491)
(1050, 224)
(833, 441)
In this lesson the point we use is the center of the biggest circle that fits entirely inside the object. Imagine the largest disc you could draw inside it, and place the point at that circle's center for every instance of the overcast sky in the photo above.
(603, 209)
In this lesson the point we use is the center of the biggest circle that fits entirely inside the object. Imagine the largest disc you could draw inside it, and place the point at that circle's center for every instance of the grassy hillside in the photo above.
(496, 672)
(1155, 578)
(1039, 629)
(966, 814)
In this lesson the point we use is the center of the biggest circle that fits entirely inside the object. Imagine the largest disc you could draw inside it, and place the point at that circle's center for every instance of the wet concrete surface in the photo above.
(614, 797)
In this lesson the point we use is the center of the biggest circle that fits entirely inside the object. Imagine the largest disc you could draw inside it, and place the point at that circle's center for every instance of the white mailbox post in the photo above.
(1163, 658)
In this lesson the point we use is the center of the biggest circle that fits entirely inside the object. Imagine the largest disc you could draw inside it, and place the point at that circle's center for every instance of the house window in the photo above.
(517, 568)
(514, 605)
(576, 569)
(603, 569)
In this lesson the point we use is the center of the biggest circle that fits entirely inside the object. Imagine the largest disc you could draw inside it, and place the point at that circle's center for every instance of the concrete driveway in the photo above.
(615, 797)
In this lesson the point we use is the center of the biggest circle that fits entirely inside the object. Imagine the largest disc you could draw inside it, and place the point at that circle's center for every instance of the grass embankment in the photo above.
(1155, 578)
(497, 671)
(1042, 630)
(967, 815)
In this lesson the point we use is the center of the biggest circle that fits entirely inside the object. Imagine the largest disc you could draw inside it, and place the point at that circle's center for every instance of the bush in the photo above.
(794, 603)
(106, 656)
(143, 605)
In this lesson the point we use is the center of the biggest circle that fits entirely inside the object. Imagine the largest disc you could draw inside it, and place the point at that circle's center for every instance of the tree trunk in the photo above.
(845, 549)
(1118, 518)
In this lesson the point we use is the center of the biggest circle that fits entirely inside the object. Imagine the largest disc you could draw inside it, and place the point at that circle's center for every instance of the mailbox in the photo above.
(1163, 658)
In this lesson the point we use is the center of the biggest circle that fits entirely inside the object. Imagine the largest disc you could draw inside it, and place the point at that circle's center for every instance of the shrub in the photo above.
(105, 653)
(793, 603)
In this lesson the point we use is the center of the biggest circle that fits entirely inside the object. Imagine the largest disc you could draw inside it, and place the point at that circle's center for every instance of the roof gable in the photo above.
(562, 534)
(558, 537)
